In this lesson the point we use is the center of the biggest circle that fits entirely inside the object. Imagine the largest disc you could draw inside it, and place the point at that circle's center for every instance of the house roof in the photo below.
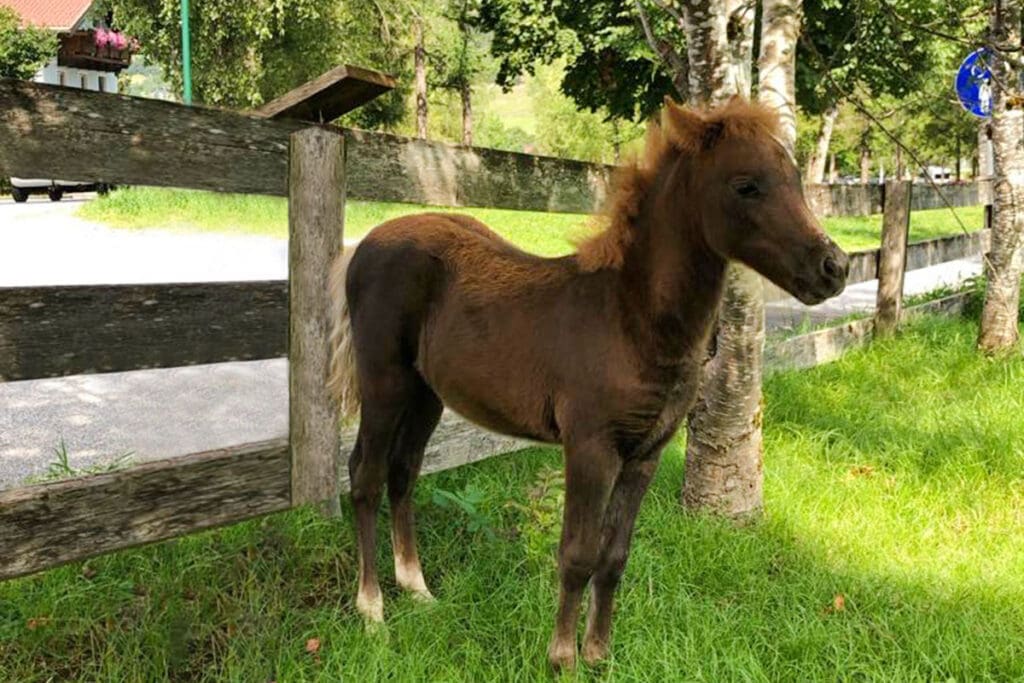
(58, 15)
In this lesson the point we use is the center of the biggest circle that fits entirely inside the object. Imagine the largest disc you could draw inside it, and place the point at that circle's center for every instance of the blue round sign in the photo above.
(974, 83)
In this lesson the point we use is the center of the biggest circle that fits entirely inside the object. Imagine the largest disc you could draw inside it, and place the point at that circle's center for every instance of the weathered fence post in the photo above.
(892, 258)
(316, 216)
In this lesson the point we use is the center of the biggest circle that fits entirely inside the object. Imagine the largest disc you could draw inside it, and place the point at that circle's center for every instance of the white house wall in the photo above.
(69, 76)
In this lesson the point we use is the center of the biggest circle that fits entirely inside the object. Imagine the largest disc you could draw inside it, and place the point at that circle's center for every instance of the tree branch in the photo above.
(665, 7)
(678, 68)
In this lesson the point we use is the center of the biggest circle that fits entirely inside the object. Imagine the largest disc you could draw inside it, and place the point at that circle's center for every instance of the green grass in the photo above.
(549, 234)
(865, 232)
(894, 478)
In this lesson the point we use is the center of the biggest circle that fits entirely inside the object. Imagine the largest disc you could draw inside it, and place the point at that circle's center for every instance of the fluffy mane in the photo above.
(680, 130)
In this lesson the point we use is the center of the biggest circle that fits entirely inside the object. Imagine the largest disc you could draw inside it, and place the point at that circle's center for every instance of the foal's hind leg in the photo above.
(387, 392)
(367, 472)
(418, 423)
(619, 519)
(398, 414)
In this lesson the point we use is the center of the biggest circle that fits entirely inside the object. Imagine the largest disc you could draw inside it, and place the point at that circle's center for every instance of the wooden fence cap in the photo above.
(329, 95)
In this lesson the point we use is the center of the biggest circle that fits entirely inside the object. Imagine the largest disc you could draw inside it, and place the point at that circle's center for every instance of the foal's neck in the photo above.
(675, 277)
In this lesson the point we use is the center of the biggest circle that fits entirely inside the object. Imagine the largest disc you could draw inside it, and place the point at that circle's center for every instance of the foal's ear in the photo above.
(686, 129)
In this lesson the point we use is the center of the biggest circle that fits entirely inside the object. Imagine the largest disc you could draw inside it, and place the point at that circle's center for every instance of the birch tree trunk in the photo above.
(467, 114)
(420, 62)
(999, 316)
(816, 164)
(865, 165)
(724, 444)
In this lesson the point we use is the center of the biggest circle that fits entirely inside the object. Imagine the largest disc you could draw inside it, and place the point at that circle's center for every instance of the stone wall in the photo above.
(863, 200)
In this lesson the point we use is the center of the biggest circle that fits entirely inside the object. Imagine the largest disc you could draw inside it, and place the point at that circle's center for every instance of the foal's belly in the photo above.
(498, 419)
(496, 393)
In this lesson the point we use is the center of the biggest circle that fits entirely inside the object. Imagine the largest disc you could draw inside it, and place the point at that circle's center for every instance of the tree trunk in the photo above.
(833, 169)
(816, 164)
(617, 141)
(865, 157)
(420, 58)
(1000, 313)
(959, 159)
(705, 24)
(467, 114)
(724, 444)
(776, 65)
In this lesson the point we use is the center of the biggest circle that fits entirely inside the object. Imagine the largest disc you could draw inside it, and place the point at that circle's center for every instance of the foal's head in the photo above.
(745, 188)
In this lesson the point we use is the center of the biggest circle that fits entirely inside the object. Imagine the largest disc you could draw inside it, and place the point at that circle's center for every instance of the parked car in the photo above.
(22, 188)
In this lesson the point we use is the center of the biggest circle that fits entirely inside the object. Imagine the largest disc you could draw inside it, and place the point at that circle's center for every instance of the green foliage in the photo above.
(609, 64)
(563, 130)
(458, 51)
(875, 46)
(540, 515)
(491, 131)
(244, 54)
(23, 50)
(61, 468)
(468, 502)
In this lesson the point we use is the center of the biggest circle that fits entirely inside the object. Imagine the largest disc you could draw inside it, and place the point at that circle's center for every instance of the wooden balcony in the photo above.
(79, 49)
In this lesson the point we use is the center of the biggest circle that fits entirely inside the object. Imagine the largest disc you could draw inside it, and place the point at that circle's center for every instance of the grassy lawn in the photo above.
(543, 233)
(892, 550)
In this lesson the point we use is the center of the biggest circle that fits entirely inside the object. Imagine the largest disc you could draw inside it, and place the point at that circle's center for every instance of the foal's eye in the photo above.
(746, 188)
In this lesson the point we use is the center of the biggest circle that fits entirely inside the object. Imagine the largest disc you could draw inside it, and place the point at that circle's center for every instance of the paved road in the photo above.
(161, 413)
(44, 243)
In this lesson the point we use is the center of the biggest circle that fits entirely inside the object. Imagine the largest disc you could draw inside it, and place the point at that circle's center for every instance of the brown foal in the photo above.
(599, 351)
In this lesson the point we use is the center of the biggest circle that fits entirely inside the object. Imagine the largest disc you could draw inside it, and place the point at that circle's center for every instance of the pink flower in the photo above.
(101, 37)
(117, 40)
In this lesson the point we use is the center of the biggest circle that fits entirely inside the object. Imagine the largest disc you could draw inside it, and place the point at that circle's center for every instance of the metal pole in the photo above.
(186, 55)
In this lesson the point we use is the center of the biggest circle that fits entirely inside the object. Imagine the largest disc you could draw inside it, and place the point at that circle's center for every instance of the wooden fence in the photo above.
(46, 131)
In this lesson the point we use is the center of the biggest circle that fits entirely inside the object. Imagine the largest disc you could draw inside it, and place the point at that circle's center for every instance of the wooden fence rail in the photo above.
(45, 525)
(52, 132)
(56, 331)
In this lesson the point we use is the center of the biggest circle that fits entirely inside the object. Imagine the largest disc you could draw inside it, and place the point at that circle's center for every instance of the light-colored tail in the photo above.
(342, 381)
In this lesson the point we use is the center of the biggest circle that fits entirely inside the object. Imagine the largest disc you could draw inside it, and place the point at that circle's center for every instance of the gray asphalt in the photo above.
(162, 413)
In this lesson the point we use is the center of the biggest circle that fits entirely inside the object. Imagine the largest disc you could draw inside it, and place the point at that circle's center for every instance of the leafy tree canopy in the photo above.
(23, 51)
(880, 47)
(608, 62)
(246, 53)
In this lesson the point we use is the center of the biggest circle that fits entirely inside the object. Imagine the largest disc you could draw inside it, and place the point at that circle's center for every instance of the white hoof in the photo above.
(372, 608)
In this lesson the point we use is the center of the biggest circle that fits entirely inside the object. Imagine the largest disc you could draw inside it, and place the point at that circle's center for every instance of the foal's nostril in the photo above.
(831, 268)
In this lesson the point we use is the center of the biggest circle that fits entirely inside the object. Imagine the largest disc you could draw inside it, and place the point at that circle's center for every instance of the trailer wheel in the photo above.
(55, 193)
(19, 195)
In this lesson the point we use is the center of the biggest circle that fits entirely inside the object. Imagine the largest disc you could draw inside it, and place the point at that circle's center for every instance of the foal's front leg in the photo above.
(590, 470)
(619, 519)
